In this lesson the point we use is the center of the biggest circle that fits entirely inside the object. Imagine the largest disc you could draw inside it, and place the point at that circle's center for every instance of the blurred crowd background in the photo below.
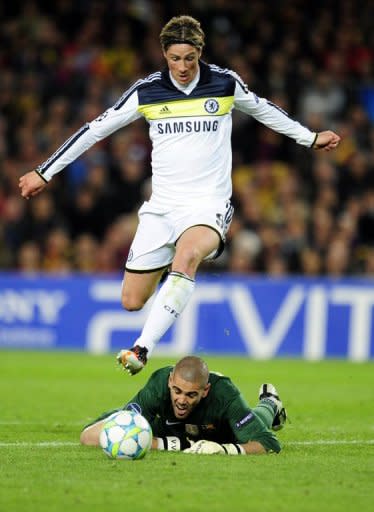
(297, 211)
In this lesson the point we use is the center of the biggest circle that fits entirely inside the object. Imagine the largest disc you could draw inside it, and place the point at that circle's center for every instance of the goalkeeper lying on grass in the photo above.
(196, 411)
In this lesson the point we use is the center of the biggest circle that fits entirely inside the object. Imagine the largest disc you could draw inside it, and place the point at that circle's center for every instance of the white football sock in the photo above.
(169, 303)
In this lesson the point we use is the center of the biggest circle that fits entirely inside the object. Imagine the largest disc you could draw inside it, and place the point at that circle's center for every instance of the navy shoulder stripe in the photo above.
(231, 73)
(139, 83)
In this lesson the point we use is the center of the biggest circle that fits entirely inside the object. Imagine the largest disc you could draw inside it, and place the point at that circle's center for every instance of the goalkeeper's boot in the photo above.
(133, 360)
(268, 392)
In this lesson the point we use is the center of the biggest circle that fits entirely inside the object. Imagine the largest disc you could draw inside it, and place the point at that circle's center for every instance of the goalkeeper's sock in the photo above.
(169, 303)
(266, 410)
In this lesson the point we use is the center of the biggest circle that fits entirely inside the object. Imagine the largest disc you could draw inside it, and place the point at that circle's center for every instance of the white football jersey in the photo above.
(190, 133)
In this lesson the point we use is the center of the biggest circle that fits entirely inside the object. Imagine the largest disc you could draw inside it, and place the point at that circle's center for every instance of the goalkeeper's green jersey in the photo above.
(222, 416)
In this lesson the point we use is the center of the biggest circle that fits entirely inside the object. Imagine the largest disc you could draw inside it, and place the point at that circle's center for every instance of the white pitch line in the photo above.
(33, 423)
(326, 442)
(320, 442)
(41, 444)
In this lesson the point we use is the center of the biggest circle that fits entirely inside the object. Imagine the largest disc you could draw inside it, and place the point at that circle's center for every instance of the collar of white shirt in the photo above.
(187, 89)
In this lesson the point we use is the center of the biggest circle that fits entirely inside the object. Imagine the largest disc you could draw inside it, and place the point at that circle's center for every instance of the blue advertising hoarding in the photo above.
(259, 317)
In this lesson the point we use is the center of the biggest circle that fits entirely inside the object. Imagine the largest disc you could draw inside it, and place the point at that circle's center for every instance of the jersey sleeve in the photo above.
(232, 407)
(238, 415)
(245, 424)
(108, 122)
(271, 116)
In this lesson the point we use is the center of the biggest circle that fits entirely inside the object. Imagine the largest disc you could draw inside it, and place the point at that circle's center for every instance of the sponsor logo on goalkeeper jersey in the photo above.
(198, 126)
(168, 422)
(244, 421)
(195, 430)
(192, 430)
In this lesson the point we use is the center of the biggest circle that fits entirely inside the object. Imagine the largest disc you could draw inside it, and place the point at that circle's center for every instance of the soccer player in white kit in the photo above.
(188, 107)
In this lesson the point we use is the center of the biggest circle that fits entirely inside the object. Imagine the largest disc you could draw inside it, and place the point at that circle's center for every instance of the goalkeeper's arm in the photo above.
(170, 443)
(205, 447)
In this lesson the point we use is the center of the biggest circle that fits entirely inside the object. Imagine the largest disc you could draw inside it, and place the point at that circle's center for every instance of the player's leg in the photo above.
(270, 407)
(138, 287)
(192, 247)
(195, 244)
(269, 414)
(151, 253)
(199, 235)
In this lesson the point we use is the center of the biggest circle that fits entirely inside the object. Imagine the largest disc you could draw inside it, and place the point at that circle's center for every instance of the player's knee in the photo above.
(132, 302)
(189, 260)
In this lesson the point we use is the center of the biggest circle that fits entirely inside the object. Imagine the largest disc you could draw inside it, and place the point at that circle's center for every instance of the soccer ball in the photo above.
(126, 435)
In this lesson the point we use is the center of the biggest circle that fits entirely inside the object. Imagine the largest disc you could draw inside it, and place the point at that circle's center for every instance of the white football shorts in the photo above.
(153, 246)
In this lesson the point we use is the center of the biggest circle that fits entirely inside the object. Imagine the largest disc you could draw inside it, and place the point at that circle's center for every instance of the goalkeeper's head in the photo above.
(188, 384)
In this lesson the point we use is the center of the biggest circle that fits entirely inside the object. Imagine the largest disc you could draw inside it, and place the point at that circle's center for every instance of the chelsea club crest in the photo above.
(211, 106)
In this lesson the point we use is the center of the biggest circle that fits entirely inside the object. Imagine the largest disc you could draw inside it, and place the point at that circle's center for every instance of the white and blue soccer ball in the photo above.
(126, 435)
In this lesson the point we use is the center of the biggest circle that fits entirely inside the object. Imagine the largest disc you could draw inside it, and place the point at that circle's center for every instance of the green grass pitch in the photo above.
(327, 461)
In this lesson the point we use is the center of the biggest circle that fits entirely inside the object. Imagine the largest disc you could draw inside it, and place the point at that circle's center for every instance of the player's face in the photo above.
(185, 395)
(183, 62)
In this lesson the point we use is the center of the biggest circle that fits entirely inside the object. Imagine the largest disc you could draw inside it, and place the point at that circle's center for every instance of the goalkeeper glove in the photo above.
(210, 447)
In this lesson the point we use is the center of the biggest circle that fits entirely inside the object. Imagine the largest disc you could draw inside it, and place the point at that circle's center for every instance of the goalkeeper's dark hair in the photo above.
(192, 369)
(182, 30)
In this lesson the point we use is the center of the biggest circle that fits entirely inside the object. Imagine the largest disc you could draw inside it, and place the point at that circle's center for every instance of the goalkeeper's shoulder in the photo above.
(158, 382)
(161, 374)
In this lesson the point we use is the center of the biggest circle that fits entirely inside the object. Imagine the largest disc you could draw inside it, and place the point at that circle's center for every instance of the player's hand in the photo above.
(204, 447)
(326, 141)
(31, 184)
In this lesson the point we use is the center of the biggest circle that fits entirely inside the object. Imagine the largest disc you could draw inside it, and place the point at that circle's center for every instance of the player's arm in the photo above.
(31, 184)
(277, 119)
(326, 141)
(205, 447)
(90, 435)
(111, 120)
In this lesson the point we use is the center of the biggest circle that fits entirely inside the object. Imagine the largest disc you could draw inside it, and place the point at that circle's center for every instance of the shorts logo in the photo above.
(211, 106)
(219, 220)
(224, 221)
(130, 256)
